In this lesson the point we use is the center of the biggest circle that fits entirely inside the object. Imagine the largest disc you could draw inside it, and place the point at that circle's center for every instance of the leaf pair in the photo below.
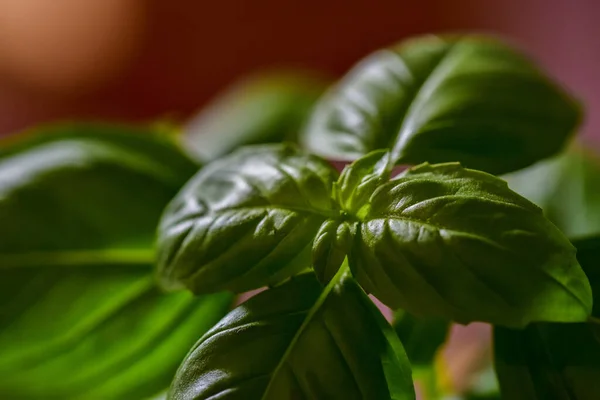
(471, 99)
(533, 265)
(436, 240)
(80, 314)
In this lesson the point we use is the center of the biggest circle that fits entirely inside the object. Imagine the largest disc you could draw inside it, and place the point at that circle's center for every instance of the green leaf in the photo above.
(148, 147)
(566, 188)
(331, 246)
(554, 361)
(359, 180)
(299, 340)
(421, 337)
(549, 362)
(493, 396)
(445, 241)
(80, 315)
(471, 99)
(588, 255)
(246, 221)
(267, 107)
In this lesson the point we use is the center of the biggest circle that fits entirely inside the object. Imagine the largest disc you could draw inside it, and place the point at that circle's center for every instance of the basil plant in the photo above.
(121, 253)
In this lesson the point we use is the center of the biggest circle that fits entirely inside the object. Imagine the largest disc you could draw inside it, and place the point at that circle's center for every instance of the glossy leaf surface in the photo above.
(554, 361)
(299, 341)
(246, 221)
(263, 108)
(446, 241)
(80, 315)
(470, 99)
(566, 188)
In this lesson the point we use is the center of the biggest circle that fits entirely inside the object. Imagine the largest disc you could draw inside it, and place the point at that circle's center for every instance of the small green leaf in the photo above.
(80, 315)
(246, 221)
(299, 340)
(331, 246)
(421, 337)
(471, 99)
(566, 188)
(267, 107)
(352, 191)
(445, 241)
(359, 180)
(554, 361)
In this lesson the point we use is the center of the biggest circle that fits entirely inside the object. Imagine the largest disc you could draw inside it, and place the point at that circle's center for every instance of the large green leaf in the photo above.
(566, 188)
(554, 361)
(446, 241)
(80, 315)
(299, 341)
(471, 99)
(245, 221)
(263, 108)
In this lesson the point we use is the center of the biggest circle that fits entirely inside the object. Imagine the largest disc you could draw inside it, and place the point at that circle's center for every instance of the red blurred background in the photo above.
(143, 59)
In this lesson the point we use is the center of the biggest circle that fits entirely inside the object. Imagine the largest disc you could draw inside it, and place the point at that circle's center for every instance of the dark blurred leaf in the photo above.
(421, 337)
(264, 108)
(153, 144)
(80, 315)
(554, 361)
(483, 397)
(567, 188)
(471, 99)
(299, 341)
(549, 362)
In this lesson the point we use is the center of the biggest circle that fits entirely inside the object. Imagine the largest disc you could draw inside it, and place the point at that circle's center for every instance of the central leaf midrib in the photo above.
(339, 276)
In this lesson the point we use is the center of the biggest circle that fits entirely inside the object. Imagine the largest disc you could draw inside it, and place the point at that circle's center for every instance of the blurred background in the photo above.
(141, 60)
(137, 60)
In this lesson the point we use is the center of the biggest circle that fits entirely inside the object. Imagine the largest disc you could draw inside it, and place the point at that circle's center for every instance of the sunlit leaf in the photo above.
(80, 315)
